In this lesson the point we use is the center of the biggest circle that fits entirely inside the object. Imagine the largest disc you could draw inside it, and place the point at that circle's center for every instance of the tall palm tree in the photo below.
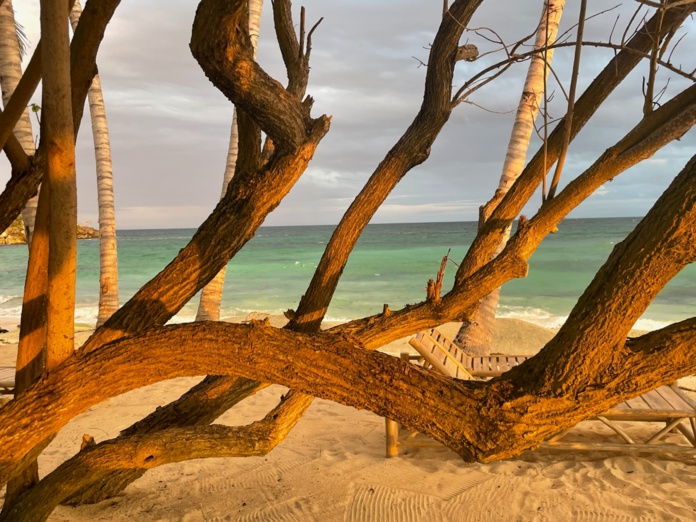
(11, 46)
(476, 336)
(211, 295)
(108, 257)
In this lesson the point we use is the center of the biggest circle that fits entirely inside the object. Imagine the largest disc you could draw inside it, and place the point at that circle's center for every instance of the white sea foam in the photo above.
(532, 315)
(7, 298)
(549, 320)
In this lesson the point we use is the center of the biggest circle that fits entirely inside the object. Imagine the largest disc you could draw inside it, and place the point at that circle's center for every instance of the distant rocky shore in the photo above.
(14, 235)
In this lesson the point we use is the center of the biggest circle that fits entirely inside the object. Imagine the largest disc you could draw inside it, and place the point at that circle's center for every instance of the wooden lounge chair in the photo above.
(7, 380)
(666, 404)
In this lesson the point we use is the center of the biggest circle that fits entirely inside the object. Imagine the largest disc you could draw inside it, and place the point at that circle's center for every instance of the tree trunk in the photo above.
(30, 361)
(10, 74)
(27, 175)
(476, 334)
(211, 295)
(59, 135)
(412, 149)
(108, 254)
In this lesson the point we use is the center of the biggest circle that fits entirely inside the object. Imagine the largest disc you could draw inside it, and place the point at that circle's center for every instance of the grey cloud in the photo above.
(170, 126)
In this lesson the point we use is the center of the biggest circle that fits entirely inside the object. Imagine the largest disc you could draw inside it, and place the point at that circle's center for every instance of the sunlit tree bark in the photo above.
(58, 133)
(586, 368)
(211, 295)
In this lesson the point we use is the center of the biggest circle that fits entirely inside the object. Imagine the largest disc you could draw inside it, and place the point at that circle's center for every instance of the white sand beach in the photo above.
(332, 468)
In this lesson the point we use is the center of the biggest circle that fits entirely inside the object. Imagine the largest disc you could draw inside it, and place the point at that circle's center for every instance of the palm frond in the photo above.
(22, 40)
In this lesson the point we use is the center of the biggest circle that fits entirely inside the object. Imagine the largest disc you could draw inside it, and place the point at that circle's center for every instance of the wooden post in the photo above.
(392, 428)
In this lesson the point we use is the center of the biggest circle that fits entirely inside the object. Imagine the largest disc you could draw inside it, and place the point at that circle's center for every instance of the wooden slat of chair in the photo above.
(435, 354)
(676, 398)
(636, 403)
(656, 401)
(616, 429)
(666, 404)
(669, 426)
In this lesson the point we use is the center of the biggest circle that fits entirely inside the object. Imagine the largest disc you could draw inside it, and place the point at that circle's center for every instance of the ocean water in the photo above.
(391, 264)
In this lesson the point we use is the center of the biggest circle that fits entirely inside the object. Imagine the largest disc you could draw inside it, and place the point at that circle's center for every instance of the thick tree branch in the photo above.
(200, 406)
(412, 149)
(660, 127)
(250, 195)
(197, 406)
(636, 271)
(602, 86)
(327, 366)
(25, 178)
(138, 453)
(220, 42)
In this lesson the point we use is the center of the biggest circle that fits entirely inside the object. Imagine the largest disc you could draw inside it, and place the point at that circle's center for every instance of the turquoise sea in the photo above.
(391, 264)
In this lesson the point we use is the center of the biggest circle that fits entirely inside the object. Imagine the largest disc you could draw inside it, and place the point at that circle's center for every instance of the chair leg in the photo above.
(392, 428)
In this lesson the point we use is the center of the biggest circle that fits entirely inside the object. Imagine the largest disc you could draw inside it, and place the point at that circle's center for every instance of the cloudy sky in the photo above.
(170, 127)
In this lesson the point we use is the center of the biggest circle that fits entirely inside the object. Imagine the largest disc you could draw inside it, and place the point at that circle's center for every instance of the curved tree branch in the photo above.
(251, 194)
(654, 131)
(140, 452)
(412, 149)
(547, 393)
(26, 177)
(221, 44)
(602, 86)
(200, 406)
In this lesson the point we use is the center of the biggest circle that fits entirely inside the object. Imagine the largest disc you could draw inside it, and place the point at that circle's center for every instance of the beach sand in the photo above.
(332, 468)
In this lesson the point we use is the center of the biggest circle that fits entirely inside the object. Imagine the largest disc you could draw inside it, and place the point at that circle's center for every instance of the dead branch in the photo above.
(571, 102)
(612, 75)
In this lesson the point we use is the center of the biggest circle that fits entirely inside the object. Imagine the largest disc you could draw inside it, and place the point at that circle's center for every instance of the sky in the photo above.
(169, 126)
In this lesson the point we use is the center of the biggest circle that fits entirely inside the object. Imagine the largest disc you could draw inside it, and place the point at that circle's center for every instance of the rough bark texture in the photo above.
(597, 92)
(138, 453)
(31, 353)
(108, 257)
(662, 126)
(211, 295)
(225, 390)
(200, 406)
(221, 45)
(479, 420)
(482, 421)
(412, 149)
(58, 134)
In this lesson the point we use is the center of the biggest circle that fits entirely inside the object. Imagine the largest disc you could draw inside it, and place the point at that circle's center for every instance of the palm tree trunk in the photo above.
(211, 295)
(108, 257)
(476, 336)
(10, 73)
(30, 362)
